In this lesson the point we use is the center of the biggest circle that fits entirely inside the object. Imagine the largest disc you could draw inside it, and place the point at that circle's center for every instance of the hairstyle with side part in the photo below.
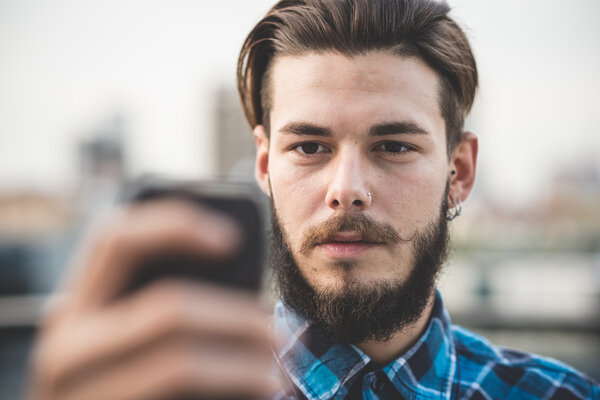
(409, 28)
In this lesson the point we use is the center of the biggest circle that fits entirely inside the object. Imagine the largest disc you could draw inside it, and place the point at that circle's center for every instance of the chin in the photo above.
(346, 276)
(367, 272)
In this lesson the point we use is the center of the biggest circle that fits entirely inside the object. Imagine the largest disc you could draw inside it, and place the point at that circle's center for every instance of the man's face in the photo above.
(342, 128)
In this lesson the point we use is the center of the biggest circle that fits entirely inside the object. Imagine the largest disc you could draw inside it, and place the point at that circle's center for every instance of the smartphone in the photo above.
(242, 201)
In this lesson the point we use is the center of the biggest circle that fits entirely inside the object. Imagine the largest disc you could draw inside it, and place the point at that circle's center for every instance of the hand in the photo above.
(172, 338)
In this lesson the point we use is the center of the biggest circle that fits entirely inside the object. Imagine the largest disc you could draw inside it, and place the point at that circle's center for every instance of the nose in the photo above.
(348, 185)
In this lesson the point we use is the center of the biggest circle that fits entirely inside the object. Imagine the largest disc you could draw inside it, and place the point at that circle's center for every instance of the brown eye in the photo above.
(394, 147)
(309, 148)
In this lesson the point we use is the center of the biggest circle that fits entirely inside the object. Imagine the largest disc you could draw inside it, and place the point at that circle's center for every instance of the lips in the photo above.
(349, 238)
(346, 245)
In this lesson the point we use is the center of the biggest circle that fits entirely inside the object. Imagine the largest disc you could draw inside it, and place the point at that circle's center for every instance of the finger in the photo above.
(143, 230)
(163, 311)
(174, 369)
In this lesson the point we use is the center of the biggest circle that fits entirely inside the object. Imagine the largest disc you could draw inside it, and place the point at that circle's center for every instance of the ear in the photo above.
(464, 161)
(261, 168)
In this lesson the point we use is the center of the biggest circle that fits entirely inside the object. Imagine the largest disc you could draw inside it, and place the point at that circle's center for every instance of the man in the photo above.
(357, 108)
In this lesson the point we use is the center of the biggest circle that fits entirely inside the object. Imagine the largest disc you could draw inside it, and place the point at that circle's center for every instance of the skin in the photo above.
(322, 159)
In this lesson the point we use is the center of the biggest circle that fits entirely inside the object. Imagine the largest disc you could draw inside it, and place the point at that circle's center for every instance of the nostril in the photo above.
(357, 202)
(336, 203)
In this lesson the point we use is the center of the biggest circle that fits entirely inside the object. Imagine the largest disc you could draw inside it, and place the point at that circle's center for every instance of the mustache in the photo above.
(370, 230)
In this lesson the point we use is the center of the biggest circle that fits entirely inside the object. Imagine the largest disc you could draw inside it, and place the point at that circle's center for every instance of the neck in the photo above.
(383, 352)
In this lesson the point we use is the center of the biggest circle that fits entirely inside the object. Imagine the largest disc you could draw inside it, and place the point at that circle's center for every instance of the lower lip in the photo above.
(345, 250)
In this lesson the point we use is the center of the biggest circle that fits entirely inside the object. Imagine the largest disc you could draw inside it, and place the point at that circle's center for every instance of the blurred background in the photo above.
(94, 93)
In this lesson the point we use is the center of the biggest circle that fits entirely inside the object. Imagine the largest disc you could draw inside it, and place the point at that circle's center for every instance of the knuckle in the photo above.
(52, 355)
(182, 230)
(111, 238)
(171, 312)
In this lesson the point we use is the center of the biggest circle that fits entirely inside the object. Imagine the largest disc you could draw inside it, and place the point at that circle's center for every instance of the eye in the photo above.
(394, 147)
(309, 148)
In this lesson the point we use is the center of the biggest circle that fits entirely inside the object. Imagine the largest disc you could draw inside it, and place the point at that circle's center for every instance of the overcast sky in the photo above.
(67, 65)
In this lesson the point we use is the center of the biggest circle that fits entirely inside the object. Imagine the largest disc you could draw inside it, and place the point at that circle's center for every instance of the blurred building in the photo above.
(102, 166)
(37, 234)
(235, 148)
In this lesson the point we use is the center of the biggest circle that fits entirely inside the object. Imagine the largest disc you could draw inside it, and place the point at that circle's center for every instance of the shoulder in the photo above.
(498, 371)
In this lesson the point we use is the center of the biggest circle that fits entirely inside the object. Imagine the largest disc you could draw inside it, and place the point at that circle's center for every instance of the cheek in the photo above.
(415, 196)
(296, 197)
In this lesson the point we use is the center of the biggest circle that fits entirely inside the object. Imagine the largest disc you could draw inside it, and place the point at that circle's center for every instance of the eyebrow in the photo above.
(387, 128)
(394, 128)
(305, 129)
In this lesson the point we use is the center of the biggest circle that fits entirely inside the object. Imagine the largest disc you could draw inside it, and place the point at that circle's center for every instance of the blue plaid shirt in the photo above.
(448, 362)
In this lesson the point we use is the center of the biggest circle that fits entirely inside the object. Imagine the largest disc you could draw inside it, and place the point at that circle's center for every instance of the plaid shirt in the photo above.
(448, 362)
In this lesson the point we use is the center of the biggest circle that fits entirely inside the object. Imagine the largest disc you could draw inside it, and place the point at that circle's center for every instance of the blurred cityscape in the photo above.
(95, 93)
(526, 277)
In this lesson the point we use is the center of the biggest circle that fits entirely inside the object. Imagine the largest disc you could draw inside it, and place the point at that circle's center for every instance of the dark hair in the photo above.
(417, 28)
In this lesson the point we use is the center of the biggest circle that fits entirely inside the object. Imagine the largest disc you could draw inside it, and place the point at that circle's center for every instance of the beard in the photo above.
(356, 312)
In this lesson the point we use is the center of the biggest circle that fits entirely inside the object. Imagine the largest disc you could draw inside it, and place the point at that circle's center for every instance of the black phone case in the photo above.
(243, 270)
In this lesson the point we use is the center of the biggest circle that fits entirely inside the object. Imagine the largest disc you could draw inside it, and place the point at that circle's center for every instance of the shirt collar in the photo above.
(325, 370)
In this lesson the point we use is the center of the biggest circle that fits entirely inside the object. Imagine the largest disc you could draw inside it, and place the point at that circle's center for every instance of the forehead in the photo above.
(333, 89)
